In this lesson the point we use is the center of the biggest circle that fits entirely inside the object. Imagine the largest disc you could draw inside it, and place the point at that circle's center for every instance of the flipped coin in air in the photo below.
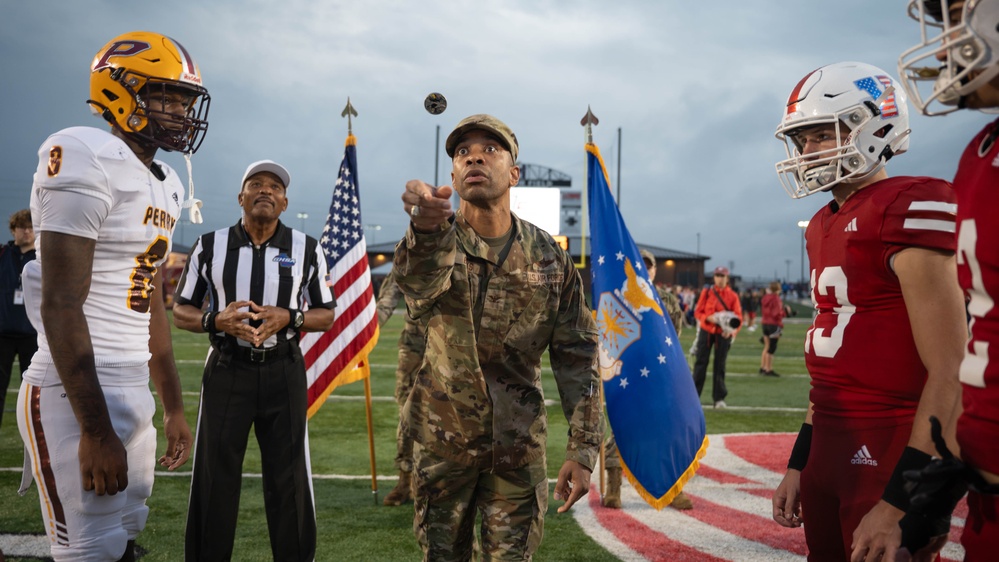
(435, 103)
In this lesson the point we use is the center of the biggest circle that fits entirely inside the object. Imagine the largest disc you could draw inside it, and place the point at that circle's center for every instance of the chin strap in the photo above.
(192, 205)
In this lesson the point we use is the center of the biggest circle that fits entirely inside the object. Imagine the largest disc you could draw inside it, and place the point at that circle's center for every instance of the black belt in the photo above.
(259, 355)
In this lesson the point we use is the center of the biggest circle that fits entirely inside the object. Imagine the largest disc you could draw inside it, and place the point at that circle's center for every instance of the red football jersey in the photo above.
(977, 187)
(860, 351)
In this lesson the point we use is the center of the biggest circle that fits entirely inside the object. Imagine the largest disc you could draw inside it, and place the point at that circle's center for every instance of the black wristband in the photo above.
(895, 493)
(208, 323)
(802, 446)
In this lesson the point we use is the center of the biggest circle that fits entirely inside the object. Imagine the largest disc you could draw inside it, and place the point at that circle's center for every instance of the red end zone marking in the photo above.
(721, 476)
(769, 450)
(642, 539)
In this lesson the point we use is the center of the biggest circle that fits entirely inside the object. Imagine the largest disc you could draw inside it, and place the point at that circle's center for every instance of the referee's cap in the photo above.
(267, 166)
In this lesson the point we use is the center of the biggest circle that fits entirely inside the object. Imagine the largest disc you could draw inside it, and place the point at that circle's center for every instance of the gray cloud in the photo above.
(696, 88)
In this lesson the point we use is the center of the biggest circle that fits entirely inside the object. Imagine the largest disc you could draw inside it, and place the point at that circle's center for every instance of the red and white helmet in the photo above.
(866, 107)
(953, 45)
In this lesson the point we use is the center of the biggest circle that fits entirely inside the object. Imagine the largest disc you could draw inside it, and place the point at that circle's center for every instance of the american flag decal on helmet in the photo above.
(876, 86)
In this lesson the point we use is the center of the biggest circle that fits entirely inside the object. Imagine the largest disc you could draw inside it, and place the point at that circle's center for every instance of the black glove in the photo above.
(933, 493)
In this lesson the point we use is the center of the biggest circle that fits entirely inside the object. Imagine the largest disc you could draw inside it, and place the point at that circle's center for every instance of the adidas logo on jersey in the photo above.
(863, 456)
(851, 226)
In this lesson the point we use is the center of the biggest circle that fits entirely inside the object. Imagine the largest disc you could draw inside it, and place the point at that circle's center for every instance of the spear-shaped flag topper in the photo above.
(347, 112)
(588, 121)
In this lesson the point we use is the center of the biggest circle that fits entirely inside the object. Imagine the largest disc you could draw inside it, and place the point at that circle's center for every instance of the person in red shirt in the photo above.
(773, 311)
(886, 342)
(956, 66)
(719, 315)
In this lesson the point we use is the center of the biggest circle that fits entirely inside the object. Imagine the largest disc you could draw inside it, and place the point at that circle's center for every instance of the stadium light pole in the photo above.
(373, 228)
(302, 217)
(803, 225)
(437, 154)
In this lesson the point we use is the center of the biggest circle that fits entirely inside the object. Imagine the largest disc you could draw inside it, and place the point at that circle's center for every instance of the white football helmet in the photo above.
(865, 105)
(939, 67)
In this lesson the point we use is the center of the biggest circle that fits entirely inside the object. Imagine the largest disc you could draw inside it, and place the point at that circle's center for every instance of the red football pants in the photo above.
(850, 462)
(980, 538)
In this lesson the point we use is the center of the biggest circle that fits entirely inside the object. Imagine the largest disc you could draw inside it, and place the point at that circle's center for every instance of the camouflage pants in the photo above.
(410, 361)
(448, 497)
(612, 457)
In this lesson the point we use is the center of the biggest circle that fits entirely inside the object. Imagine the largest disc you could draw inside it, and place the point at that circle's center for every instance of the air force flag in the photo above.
(654, 411)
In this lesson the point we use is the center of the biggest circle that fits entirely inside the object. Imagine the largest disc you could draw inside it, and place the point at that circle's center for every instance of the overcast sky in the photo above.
(697, 89)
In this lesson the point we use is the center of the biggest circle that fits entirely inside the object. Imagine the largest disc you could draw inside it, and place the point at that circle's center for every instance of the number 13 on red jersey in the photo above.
(977, 357)
(832, 282)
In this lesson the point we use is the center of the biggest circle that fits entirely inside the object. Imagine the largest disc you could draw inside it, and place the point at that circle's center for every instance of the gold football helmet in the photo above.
(141, 81)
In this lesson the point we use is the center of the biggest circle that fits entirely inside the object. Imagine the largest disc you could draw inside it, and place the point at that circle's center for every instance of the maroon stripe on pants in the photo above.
(45, 465)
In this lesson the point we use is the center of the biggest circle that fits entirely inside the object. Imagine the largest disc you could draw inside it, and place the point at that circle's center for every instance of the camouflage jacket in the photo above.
(412, 336)
(478, 400)
(671, 303)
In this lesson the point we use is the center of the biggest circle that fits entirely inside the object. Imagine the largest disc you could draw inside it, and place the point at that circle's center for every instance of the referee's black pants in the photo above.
(271, 396)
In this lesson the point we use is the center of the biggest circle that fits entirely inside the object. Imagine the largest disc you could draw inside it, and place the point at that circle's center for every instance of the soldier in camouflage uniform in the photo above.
(494, 292)
(411, 344)
(612, 458)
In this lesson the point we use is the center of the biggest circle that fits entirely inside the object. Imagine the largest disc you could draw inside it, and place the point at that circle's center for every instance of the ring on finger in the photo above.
(414, 211)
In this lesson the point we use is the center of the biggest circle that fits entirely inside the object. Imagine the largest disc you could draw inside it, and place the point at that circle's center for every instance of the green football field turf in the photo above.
(352, 525)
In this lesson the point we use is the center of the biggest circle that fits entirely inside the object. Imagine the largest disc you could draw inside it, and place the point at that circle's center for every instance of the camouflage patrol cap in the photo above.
(486, 123)
(647, 255)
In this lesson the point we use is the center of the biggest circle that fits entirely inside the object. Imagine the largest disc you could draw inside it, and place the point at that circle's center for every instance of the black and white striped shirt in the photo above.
(287, 271)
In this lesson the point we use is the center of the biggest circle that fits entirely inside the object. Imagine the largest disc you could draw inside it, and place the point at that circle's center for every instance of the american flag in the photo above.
(888, 107)
(873, 85)
(340, 355)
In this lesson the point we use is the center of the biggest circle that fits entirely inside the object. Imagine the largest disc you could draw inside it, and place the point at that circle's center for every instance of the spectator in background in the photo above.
(750, 301)
(773, 311)
(17, 336)
(719, 315)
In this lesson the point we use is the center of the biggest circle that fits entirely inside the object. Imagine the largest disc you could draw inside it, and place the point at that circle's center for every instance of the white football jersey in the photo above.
(89, 183)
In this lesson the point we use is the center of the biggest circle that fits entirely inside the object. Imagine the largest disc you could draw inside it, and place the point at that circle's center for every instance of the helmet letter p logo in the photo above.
(120, 49)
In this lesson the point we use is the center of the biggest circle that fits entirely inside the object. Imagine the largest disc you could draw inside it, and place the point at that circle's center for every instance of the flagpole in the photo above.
(371, 438)
(603, 448)
(587, 122)
(349, 112)
(437, 154)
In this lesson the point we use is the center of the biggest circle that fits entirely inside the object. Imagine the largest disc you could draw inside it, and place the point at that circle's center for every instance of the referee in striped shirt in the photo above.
(264, 283)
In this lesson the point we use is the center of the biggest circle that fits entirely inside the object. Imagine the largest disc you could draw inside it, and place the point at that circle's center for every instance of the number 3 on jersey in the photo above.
(829, 285)
(143, 273)
(976, 359)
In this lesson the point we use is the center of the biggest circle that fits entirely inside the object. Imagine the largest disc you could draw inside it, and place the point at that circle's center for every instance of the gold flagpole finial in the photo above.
(588, 121)
(348, 112)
